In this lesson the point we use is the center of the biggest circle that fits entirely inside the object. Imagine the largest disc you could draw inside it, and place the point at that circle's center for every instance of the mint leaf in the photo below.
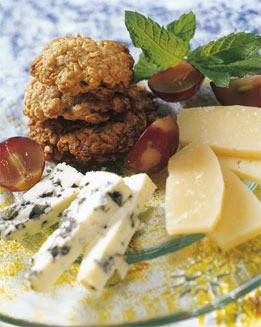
(227, 49)
(220, 78)
(184, 27)
(249, 66)
(144, 69)
(233, 55)
(159, 46)
(220, 74)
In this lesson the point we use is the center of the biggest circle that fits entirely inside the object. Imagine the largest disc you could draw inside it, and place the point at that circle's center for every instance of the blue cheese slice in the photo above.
(41, 206)
(106, 253)
(100, 198)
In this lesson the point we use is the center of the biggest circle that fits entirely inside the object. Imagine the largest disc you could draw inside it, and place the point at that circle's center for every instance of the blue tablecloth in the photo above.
(27, 25)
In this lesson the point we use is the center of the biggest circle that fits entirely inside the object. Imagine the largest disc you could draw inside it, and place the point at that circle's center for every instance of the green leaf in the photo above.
(220, 74)
(220, 78)
(232, 55)
(159, 46)
(227, 49)
(144, 69)
(249, 66)
(184, 27)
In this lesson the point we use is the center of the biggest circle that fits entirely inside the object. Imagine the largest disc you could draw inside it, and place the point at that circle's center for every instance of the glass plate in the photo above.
(170, 279)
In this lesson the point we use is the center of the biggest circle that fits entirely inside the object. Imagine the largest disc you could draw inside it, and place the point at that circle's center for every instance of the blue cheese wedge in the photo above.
(101, 196)
(106, 253)
(42, 205)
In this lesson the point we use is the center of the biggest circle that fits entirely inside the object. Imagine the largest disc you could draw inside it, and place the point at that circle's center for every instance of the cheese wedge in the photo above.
(101, 196)
(241, 214)
(249, 169)
(230, 131)
(106, 252)
(42, 205)
(194, 191)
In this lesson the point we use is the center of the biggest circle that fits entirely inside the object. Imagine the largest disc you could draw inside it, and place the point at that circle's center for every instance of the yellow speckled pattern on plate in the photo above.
(178, 285)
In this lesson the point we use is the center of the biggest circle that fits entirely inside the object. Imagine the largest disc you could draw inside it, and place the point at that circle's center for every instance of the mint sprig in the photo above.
(184, 27)
(230, 48)
(220, 73)
(144, 69)
(249, 66)
(161, 47)
(233, 55)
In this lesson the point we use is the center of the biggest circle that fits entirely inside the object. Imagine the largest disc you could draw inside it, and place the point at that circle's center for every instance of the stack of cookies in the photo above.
(83, 104)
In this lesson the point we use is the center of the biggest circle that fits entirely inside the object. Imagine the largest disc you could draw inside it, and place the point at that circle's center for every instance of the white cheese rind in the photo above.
(102, 195)
(42, 204)
(106, 253)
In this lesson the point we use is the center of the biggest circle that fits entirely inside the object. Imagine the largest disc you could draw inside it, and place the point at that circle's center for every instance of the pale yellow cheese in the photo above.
(230, 131)
(194, 191)
(249, 169)
(241, 214)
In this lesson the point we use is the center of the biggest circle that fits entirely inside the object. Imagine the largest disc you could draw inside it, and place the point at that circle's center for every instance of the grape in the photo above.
(176, 83)
(155, 146)
(21, 163)
(244, 91)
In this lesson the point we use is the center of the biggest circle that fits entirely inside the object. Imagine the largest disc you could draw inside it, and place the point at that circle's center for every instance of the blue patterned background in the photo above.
(27, 25)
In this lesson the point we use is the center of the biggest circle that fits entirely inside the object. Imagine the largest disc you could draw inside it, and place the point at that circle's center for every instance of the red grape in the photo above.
(241, 91)
(21, 163)
(176, 83)
(155, 146)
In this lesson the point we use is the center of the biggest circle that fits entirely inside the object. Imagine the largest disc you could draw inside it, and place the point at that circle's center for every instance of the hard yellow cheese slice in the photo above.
(232, 131)
(249, 169)
(241, 214)
(194, 191)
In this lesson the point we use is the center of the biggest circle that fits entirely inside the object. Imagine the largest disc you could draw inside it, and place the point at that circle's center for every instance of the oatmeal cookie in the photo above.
(79, 65)
(81, 143)
(47, 102)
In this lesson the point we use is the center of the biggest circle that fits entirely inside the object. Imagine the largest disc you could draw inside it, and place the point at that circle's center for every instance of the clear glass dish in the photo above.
(170, 279)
